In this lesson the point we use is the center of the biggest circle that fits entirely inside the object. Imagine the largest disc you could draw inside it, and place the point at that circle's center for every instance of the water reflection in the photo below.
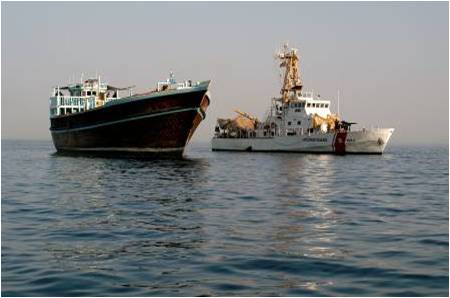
(305, 225)
(224, 224)
(113, 210)
(306, 228)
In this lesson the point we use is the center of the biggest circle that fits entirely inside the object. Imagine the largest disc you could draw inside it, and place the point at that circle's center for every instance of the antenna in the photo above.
(338, 102)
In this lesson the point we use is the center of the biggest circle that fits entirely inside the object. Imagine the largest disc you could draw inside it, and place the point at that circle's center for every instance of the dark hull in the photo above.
(144, 127)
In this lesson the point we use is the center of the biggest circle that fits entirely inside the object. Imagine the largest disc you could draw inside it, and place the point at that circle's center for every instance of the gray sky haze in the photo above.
(390, 60)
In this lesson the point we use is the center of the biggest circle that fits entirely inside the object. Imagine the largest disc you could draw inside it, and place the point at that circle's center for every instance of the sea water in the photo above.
(218, 223)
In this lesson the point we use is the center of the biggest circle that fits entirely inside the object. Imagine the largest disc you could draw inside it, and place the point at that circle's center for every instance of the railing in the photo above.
(70, 101)
(61, 105)
(308, 94)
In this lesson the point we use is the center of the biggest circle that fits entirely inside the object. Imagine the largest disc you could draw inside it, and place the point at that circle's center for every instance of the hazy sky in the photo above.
(390, 60)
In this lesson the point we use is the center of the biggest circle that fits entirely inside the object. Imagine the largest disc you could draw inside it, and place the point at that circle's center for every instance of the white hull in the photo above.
(356, 142)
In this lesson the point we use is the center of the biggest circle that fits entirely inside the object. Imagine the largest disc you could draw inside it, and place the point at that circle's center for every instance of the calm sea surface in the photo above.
(224, 224)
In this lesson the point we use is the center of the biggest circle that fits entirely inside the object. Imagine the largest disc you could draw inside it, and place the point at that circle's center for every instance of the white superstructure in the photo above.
(83, 96)
(298, 121)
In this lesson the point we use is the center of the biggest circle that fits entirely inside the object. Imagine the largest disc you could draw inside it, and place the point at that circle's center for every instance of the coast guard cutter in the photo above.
(298, 121)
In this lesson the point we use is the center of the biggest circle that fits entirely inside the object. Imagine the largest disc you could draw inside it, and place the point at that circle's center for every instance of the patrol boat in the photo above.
(94, 117)
(298, 121)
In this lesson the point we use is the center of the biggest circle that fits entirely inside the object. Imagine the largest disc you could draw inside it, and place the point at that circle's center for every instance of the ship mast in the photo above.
(291, 82)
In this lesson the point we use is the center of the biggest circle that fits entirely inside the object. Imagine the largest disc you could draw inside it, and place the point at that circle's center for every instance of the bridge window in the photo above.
(321, 105)
(313, 105)
(88, 93)
(308, 105)
(289, 123)
(299, 122)
(326, 105)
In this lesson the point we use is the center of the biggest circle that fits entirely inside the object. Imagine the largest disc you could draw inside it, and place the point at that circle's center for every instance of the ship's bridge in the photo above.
(79, 97)
(307, 104)
(300, 109)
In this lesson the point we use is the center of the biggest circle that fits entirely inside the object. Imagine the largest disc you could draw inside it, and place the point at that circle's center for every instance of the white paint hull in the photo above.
(357, 142)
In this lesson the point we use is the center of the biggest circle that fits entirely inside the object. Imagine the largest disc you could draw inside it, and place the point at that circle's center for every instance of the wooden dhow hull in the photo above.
(143, 126)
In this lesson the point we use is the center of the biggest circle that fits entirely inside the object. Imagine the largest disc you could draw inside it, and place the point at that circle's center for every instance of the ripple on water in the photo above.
(224, 224)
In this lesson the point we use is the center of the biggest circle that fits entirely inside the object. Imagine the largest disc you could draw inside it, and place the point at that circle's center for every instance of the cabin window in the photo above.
(313, 105)
(94, 92)
(88, 93)
(299, 122)
(308, 105)
(289, 123)
(326, 105)
(321, 105)
(62, 111)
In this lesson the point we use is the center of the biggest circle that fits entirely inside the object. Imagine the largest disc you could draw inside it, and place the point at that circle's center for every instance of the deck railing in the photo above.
(61, 105)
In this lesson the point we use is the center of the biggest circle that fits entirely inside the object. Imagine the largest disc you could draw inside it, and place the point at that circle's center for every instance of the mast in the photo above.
(291, 81)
